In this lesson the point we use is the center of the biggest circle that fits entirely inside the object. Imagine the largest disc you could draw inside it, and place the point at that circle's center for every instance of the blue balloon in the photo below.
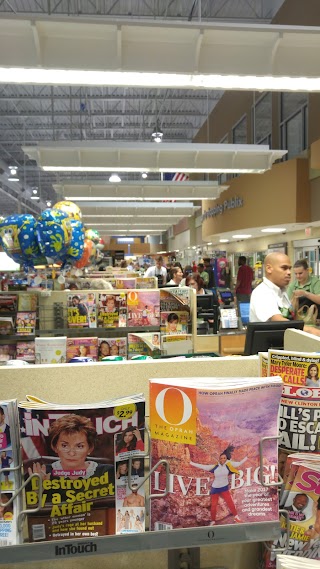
(28, 240)
(54, 232)
(75, 250)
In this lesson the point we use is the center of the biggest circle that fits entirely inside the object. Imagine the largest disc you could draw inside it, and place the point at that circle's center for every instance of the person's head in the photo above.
(136, 463)
(177, 275)
(2, 416)
(73, 286)
(200, 267)
(123, 264)
(300, 501)
(223, 458)
(242, 260)
(83, 350)
(114, 350)
(128, 439)
(3, 454)
(313, 372)
(159, 261)
(73, 438)
(173, 320)
(301, 271)
(110, 302)
(75, 300)
(104, 349)
(122, 468)
(195, 281)
(177, 264)
(187, 271)
(277, 268)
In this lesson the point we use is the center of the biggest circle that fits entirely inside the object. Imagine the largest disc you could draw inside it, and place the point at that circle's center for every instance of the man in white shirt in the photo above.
(158, 271)
(269, 300)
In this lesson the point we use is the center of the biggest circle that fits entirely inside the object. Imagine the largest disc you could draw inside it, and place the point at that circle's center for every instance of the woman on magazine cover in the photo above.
(312, 378)
(73, 439)
(130, 439)
(220, 485)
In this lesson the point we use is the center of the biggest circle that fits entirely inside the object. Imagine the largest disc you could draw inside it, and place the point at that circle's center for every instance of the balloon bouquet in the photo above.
(57, 236)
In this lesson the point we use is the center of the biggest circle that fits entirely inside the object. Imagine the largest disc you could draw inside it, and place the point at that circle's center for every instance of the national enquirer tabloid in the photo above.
(300, 401)
(73, 451)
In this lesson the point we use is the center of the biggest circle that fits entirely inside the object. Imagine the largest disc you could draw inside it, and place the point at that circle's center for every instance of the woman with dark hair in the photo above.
(195, 281)
(130, 439)
(312, 378)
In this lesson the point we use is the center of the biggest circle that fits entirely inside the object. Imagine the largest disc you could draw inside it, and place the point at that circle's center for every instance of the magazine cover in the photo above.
(303, 507)
(26, 351)
(203, 428)
(175, 310)
(143, 308)
(146, 282)
(176, 344)
(300, 402)
(263, 364)
(112, 347)
(125, 283)
(83, 348)
(9, 480)
(112, 310)
(82, 310)
(8, 303)
(27, 302)
(130, 503)
(26, 323)
(7, 352)
(6, 325)
(73, 449)
(51, 350)
(144, 344)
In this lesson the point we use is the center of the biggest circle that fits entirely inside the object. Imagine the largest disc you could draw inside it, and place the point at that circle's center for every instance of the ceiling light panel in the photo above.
(205, 55)
(167, 157)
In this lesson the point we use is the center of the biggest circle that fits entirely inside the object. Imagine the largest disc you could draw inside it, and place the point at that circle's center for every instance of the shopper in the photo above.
(244, 280)
(176, 276)
(195, 281)
(203, 274)
(269, 300)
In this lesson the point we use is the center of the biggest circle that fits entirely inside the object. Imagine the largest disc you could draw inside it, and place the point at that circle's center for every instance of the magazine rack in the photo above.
(68, 383)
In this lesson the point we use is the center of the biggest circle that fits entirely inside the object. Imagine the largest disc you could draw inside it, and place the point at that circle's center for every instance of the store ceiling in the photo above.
(31, 114)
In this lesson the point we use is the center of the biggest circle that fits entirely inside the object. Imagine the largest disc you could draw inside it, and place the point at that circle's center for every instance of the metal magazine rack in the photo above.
(191, 538)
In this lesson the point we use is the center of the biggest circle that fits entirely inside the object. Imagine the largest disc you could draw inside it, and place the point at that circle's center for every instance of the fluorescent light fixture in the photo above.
(144, 175)
(194, 247)
(115, 179)
(35, 197)
(210, 243)
(240, 236)
(147, 230)
(221, 241)
(176, 215)
(36, 76)
(115, 199)
(187, 169)
(125, 240)
(107, 224)
(13, 179)
(273, 230)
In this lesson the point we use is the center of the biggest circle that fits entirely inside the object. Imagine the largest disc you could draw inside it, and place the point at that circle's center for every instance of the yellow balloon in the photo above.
(71, 209)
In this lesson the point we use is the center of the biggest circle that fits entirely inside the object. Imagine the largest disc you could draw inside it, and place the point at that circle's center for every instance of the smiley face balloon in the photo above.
(71, 209)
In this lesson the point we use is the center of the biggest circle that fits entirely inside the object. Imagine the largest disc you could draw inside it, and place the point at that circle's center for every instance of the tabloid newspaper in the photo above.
(73, 450)
(203, 428)
(10, 480)
(301, 501)
(300, 401)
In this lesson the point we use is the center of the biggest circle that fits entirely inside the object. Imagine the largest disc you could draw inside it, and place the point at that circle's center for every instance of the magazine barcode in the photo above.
(158, 526)
(38, 532)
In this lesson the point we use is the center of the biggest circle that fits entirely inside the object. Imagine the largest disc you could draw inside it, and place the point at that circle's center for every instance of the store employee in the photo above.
(269, 300)
(305, 285)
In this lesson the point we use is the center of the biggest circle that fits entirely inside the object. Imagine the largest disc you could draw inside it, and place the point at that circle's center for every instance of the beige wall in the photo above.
(280, 195)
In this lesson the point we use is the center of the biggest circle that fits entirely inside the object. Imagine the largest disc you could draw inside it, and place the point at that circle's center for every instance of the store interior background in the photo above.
(286, 197)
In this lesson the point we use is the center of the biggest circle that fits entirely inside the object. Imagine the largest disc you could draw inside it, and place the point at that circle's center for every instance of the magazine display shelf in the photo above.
(68, 383)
